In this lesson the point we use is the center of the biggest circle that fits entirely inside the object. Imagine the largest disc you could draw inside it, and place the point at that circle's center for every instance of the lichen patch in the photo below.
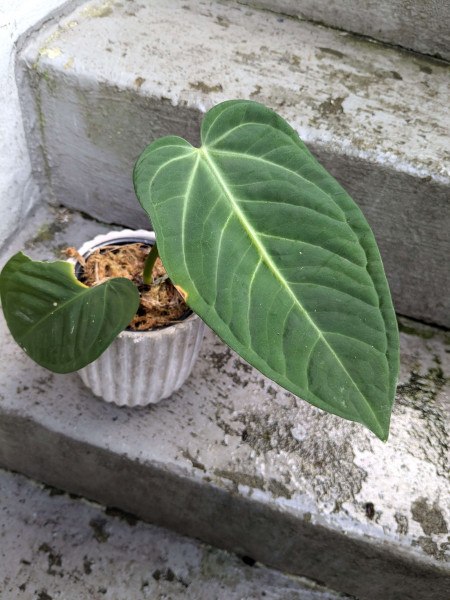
(430, 517)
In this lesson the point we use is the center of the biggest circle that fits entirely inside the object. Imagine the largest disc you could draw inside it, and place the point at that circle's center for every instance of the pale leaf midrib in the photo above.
(185, 206)
(252, 235)
(310, 158)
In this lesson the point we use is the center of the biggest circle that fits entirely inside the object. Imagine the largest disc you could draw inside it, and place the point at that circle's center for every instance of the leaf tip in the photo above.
(381, 431)
(384, 437)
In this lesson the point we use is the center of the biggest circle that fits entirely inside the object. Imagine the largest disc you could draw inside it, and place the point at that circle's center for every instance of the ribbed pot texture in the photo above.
(143, 367)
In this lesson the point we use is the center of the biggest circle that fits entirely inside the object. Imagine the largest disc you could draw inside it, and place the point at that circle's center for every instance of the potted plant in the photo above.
(266, 247)
(155, 354)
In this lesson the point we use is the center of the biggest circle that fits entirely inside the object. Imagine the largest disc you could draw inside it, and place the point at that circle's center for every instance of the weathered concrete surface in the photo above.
(236, 461)
(420, 25)
(55, 546)
(98, 86)
(16, 181)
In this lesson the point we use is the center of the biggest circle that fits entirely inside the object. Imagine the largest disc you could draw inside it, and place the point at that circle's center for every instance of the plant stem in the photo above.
(149, 264)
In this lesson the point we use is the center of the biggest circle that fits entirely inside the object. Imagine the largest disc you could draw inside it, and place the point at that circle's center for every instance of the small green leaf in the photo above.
(59, 322)
(277, 258)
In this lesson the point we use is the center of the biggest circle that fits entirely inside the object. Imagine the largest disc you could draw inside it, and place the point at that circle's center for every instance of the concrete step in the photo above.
(417, 24)
(100, 84)
(59, 546)
(239, 463)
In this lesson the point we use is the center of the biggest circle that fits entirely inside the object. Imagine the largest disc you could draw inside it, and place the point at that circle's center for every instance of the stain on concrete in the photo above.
(98, 527)
(139, 81)
(220, 359)
(266, 432)
(278, 489)
(369, 510)
(206, 89)
(41, 385)
(87, 565)
(256, 91)
(332, 52)
(430, 547)
(168, 575)
(430, 517)
(98, 12)
(402, 523)
(222, 21)
(420, 394)
(332, 106)
(195, 463)
(331, 470)
(327, 465)
(237, 478)
(69, 63)
(54, 559)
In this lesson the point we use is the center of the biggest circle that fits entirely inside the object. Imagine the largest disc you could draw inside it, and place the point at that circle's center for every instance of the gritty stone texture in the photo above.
(236, 461)
(101, 84)
(58, 547)
(18, 190)
(420, 25)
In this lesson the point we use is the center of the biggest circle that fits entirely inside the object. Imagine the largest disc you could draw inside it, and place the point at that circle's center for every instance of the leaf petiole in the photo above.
(149, 264)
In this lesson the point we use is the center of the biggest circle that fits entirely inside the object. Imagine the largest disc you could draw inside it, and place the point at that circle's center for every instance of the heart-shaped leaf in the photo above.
(59, 322)
(277, 258)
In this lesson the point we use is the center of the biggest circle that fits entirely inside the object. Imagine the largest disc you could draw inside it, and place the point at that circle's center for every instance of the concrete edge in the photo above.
(170, 500)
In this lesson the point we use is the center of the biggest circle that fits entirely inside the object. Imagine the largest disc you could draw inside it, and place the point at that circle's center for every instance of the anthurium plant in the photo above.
(265, 246)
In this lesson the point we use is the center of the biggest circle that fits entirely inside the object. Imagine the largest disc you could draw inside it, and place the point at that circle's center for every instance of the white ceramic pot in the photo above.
(143, 367)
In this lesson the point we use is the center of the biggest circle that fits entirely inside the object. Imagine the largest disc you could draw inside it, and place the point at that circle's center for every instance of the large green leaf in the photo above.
(59, 322)
(276, 257)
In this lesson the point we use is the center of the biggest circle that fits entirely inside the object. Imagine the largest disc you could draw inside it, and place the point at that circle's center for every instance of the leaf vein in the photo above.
(253, 236)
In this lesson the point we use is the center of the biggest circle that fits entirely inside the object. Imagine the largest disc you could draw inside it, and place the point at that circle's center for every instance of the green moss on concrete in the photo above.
(41, 119)
(424, 333)
(51, 82)
(44, 234)
(48, 230)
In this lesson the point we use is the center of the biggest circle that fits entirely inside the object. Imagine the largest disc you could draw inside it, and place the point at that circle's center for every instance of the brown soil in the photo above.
(161, 304)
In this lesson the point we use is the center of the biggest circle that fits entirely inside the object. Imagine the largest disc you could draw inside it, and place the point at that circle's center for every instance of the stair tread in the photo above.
(100, 84)
(330, 85)
(417, 25)
(233, 459)
(73, 549)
